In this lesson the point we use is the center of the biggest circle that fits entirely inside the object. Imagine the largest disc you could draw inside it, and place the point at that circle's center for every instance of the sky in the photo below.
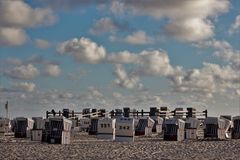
(119, 53)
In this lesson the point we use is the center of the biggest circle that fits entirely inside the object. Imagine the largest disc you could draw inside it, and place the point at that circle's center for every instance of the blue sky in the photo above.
(57, 54)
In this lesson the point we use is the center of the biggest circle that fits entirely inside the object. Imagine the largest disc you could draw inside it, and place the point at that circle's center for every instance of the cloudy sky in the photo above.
(116, 53)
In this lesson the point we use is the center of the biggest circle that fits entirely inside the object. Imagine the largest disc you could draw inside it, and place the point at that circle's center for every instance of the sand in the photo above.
(88, 147)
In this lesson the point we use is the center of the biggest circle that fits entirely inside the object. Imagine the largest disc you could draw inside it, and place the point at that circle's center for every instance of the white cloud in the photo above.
(193, 29)
(182, 16)
(226, 78)
(16, 15)
(148, 99)
(155, 63)
(231, 56)
(194, 81)
(179, 9)
(138, 38)
(14, 61)
(104, 25)
(146, 63)
(84, 50)
(29, 17)
(52, 70)
(238, 92)
(224, 50)
(40, 43)
(149, 62)
(91, 95)
(117, 95)
(123, 57)
(10, 36)
(188, 20)
(235, 27)
(220, 45)
(208, 80)
(94, 93)
(117, 7)
(57, 95)
(25, 86)
(23, 72)
(124, 79)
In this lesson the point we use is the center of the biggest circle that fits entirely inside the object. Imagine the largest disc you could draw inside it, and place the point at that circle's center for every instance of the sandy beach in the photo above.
(88, 147)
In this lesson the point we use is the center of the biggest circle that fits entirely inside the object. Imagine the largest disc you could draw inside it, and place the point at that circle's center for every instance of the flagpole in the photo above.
(6, 107)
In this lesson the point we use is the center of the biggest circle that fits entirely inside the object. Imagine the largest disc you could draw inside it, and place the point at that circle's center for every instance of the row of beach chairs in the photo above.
(171, 129)
(59, 129)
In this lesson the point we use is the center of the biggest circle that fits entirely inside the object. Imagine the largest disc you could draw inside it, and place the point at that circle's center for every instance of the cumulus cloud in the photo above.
(10, 36)
(224, 50)
(14, 61)
(91, 95)
(226, 78)
(94, 93)
(25, 69)
(220, 45)
(124, 79)
(56, 95)
(23, 72)
(237, 92)
(188, 20)
(117, 7)
(104, 25)
(148, 99)
(52, 70)
(175, 8)
(154, 63)
(235, 27)
(42, 44)
(193, 29)
(149, 62)
(29, 16)
(182, 15)
(146, 63)
(231, 56)
(123, 57)
(83, 50)
(138, 38)
(194, 81)
(25, 86)
(210, 79)
(12, 24)
(117, 95)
